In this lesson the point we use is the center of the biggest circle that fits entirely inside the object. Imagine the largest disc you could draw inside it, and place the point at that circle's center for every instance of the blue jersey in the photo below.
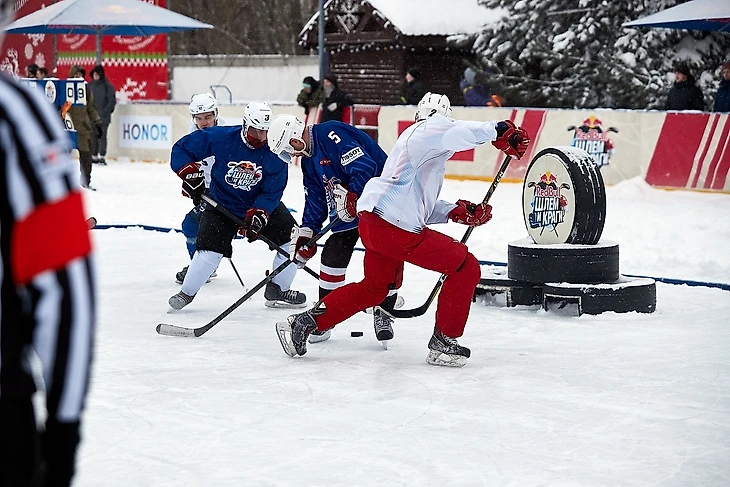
(240, 177)
(341, 154)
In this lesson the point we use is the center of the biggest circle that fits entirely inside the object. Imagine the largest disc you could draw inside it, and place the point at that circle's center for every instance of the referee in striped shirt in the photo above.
(46, 289)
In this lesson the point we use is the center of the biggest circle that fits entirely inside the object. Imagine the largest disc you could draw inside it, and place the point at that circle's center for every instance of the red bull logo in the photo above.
(591, 137)
(548, 206)
(243, 174)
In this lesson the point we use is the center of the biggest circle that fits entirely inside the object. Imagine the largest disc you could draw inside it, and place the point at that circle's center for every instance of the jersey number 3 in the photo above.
(332, 135)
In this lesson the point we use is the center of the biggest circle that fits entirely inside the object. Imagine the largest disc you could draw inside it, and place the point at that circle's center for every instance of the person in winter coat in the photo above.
(311, 94)
(335, 100)
(476, 91)
(106, 99)
(685, 94)
(413, 90)
(722, 99)
(85, 119)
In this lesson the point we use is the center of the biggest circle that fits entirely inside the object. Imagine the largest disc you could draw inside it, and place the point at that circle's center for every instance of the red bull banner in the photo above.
(665, 149)
(136, 66)
(20, 50)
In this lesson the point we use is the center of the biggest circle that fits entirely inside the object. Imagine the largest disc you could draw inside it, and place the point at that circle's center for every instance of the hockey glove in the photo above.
(193, 185)
(299, 252)
(99, 129)
(471, 214)
(511, 140)
(345, 203)
(255, 221)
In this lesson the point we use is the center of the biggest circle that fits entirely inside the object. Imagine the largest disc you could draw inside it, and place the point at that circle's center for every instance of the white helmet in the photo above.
(433, 103)
(7, 10)
(256, 121)
(282, 130)
(203, 103)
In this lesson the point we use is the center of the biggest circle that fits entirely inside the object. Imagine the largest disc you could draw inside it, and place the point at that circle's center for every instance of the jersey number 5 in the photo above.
(332, 135)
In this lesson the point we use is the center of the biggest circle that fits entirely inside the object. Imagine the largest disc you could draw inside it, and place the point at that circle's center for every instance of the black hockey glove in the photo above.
(193, 184)
(255, 221)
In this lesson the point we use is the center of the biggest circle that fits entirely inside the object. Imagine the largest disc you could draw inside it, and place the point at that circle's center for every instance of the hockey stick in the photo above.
(263, 238)
(238, 275)
(179, 331)
(412, 313)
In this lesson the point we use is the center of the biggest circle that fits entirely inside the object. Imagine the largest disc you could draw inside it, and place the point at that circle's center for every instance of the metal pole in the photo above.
(322, 54)
(98, 45)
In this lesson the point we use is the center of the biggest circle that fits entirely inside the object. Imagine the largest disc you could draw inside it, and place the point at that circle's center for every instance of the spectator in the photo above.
(311, 94)
(685, 94)
(42, 73)
(722, 99)
(413, 90)
(83, 117)
(31, 70)
(106, 99)
(476, 91)
(335, 100)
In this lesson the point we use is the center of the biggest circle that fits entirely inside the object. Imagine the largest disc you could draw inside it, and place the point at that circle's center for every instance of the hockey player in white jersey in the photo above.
(395, 209)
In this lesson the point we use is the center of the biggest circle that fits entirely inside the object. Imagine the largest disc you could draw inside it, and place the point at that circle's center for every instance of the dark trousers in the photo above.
(85, 162)
(98, 144)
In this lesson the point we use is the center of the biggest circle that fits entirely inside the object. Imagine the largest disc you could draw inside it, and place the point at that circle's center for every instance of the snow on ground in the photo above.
(546, 399)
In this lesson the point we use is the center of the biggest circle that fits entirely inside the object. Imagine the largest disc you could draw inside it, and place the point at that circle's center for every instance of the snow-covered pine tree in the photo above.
(575, 54)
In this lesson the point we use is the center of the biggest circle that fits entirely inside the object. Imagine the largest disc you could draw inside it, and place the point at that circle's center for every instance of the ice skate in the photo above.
(180, 276)
(320, 336)
(383, 323)
(180, 300)
(293, 333)
(276, 298)
(446, 351)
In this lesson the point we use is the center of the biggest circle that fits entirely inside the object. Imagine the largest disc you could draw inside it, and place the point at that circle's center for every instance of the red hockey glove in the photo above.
(470, 213)
(255, 221)
(511, 140)
(345, 203)
(299, 251)
(193, 185)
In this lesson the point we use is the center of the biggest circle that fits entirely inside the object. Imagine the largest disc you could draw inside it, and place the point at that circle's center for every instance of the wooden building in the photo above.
(371, 43)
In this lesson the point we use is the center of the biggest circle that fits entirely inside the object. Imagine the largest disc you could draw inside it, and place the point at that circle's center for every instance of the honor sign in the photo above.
(145, 132)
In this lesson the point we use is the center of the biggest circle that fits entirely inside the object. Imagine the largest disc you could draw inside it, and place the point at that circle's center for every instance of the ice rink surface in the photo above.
(546, 399)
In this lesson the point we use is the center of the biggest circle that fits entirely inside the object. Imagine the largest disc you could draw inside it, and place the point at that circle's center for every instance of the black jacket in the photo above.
(334, 105)
(105, 97)
(685, 95)
(722, 99)
(413, 92)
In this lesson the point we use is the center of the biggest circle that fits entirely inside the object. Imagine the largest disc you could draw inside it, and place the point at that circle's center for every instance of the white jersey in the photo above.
(406, 193)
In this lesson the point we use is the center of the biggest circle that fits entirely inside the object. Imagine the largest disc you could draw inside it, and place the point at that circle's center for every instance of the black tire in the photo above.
(494, 281)
(624, 295)
(572, 206)
(580, 264)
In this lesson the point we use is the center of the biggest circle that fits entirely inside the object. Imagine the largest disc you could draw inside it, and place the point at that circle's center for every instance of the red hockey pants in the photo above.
(387, 247)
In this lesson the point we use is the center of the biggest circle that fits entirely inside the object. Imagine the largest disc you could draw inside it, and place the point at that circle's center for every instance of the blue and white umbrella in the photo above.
(711, 15)
(104, 17)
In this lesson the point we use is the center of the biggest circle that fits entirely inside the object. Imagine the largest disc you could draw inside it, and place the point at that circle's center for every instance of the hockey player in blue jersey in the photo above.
(246, 178)
(337, 160)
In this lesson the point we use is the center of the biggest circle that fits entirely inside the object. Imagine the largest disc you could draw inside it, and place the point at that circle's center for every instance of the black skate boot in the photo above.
(180, 300)
(383, 323)
(276, 298)
(180, 276)
(446, 351)
(293, 333)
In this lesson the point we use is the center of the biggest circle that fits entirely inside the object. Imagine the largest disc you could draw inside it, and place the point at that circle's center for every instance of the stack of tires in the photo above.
(563, 260)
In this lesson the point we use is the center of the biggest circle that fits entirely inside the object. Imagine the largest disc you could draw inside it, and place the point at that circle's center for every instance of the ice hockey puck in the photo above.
(355, 333)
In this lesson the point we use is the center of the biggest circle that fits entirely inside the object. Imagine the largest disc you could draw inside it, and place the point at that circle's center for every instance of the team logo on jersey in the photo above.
(548, 205)
(329, 187)
(351, 155)
(324, 162)
(243, 175)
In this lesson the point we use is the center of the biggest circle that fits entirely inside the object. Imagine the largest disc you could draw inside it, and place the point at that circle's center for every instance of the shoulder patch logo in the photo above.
(351, 155)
